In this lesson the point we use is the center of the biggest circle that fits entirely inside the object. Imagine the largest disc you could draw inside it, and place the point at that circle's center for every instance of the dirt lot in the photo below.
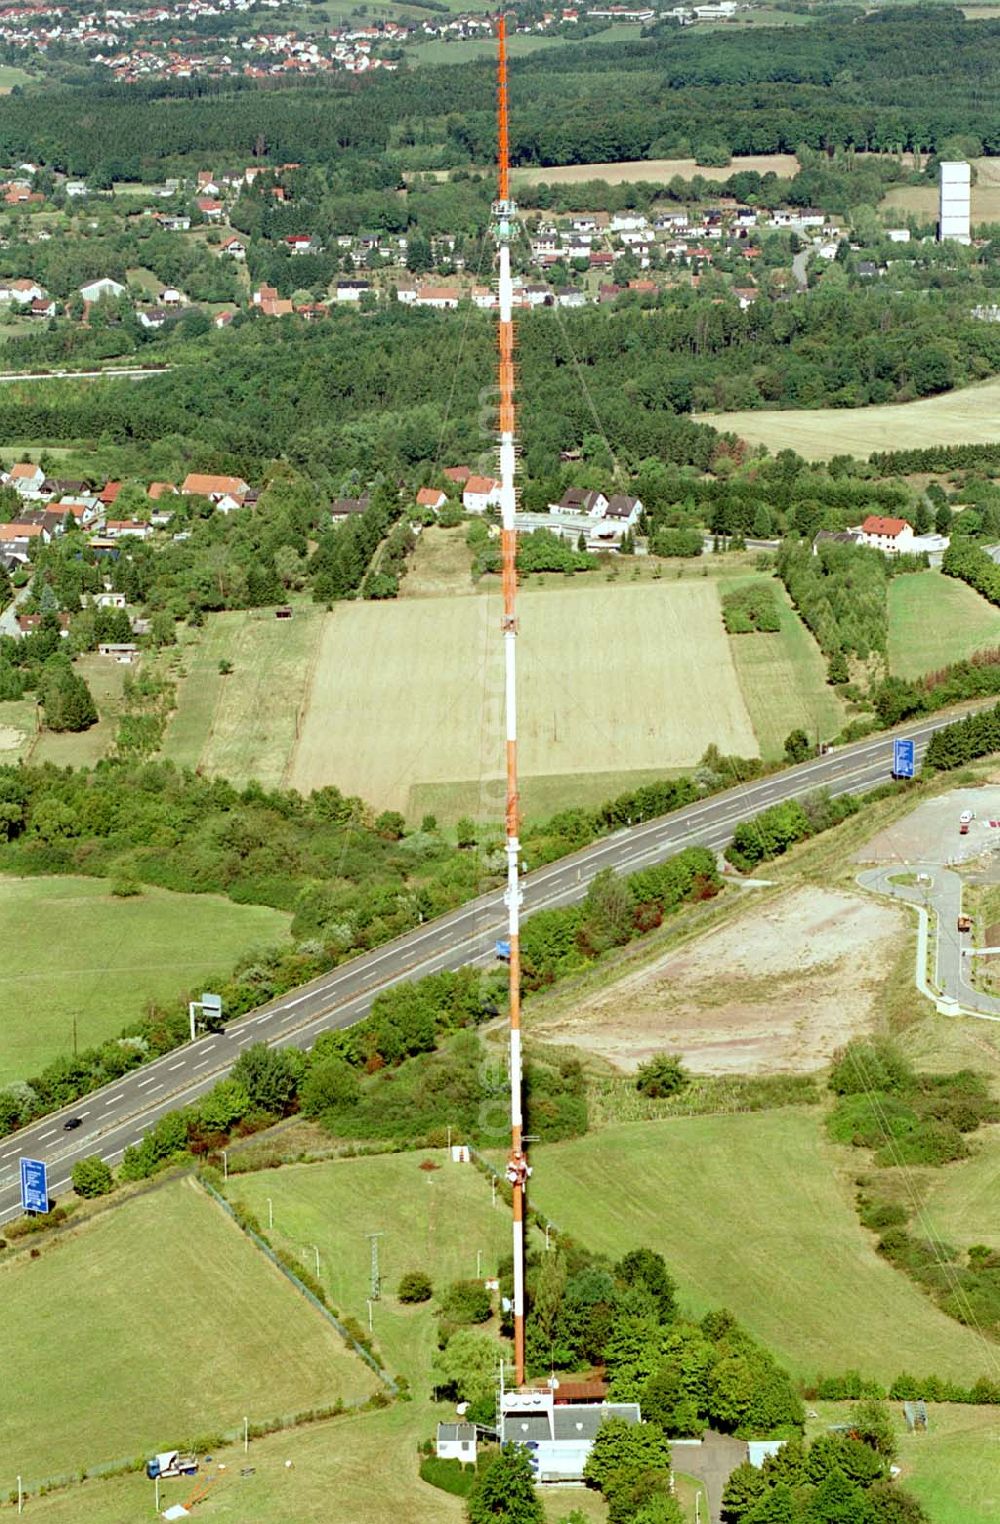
(777, 988)
(930, 833)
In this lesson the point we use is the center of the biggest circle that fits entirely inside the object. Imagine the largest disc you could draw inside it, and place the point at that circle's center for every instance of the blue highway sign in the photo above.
(34, 1186)
(903, 759)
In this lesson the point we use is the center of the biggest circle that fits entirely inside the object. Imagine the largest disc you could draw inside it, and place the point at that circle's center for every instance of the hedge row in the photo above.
(771, 833)
(935, 458)
(978, 735)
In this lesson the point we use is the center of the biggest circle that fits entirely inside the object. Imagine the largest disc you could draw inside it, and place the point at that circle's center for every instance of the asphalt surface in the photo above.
(939, 891)
(120, 1113)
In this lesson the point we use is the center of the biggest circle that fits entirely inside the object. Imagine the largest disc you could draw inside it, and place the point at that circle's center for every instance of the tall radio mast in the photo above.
(503, 225)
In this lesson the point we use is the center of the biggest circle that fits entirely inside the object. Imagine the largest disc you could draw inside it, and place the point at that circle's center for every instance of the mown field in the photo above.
(612, 680)
(155, 1322)
(934, 620)
(244, 724)
(783, 164)
(923, 200)
(783, 679)
(73, 950)
(968, 416)
(433, 1219)
(961, 1200)
(750, 1214)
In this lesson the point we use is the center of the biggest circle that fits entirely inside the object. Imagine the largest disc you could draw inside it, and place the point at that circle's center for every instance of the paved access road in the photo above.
(120, 1113)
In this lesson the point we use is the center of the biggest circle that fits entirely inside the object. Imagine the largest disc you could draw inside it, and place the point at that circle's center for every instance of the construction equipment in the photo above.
(965, 923)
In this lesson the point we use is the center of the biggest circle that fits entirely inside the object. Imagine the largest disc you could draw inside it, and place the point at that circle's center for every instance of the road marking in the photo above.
(112, 1099)
(179, 1065)
(43, 1135)
(208, 1047)
(155, 1089)
(203, 1063)
(148, 1081)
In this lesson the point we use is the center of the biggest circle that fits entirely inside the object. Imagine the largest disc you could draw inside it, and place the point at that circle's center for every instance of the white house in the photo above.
(628, 222)
(456, 1441)
(480, 493)
(893, 536)
(558, 1436)
(578, 500)
(21, 291)
(103, 287)
(26, 477)
(898, 235)
(623, 510)
(351, 290)
(235, 248)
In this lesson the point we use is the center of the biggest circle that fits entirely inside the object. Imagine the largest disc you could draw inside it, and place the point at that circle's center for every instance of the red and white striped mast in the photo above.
(503, 226)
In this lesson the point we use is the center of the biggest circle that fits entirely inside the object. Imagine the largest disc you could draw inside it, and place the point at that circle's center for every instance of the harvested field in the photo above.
(777, 988)
(612, 679)
(968, 416)
(783, 164)
(923, 200)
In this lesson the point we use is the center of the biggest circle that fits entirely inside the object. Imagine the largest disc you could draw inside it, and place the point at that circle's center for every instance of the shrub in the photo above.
(449, 1475)
(414, 1286)
(467, 1302)
(661, 1075)
(92, 1177)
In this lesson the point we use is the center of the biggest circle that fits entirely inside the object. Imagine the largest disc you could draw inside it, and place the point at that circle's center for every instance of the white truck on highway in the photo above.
(171, 1463)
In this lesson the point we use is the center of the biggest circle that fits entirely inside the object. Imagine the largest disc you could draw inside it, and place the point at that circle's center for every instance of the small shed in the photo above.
(456, 1441)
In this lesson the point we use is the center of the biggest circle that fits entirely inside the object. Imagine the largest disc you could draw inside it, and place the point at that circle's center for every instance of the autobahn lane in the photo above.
(120, 1113)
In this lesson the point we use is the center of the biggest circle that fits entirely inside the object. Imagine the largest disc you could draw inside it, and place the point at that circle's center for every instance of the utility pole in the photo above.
(504, 212)
(375, 1289)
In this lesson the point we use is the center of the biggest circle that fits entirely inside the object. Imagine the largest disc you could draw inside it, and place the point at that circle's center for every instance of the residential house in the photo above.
(117, 529)
(352, 288)
(28, 624)
(153, 317)
(199, 484)
(223, 319)
(431, 497)
(76, 188)
(210, 209)
(623, 510)
(893, 536)
(480, 493)
(570, 296)
(22, 291)
(27, 478)
(457, 474)
(156, 490)
(94, 290)
(579, 500)
(344, 508)
(109, 493)
(438, 296)
(109, 600)
(170, 296)
(303, 243)
(235, 247)
(42, 307)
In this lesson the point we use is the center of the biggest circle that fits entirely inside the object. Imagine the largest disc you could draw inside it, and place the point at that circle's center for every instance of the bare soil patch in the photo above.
(776, 989)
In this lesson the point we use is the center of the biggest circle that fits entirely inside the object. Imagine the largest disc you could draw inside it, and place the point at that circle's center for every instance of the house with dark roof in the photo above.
(623, 510)
(579, 500)
(343, 508)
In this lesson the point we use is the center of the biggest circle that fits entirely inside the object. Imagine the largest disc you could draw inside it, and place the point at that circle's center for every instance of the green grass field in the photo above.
(74, 950)
(244, 725)
(750, 1215)
(156, 1321)
(440, 50)
(961, 1199)
(934, 620)
(434, 1220)
(783, 678)
(10, 76)
(21, 739)
(968, 416)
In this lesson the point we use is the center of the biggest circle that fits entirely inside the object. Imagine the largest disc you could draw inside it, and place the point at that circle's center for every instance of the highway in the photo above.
(120, 1113)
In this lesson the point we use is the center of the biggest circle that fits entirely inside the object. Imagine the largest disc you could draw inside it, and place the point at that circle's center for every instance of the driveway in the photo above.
(8, 618)
(711, 1461)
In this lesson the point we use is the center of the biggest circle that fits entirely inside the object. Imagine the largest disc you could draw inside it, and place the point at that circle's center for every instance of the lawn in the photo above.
(244, 725)
(73, 950)
(21, 739)
(433, 1220)
(10, 76)
(968, 416)
(783, 678)
(155, 1322)
(934, 620)
(613, 680)
(750, 1215)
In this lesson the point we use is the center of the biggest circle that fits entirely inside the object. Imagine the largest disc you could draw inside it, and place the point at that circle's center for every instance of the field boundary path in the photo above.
(937, 890)
(119, 1114)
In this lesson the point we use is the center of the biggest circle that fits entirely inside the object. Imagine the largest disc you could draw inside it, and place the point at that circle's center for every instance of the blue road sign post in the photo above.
(903, 759)
(34, 1186)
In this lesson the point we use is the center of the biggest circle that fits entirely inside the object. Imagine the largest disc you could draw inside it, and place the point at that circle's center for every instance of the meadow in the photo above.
(435, 1219)
(628, 171)
(21, 739)
(783, 678)
(750, 1214)
(612, 680)
(79, 960)
(441, 50)
(244, 723)
(934, 620)
(960, 1202)
(154, 1322)
(968, 416)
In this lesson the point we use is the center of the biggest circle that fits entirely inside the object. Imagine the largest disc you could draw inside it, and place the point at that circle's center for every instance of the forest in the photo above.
(898, 79)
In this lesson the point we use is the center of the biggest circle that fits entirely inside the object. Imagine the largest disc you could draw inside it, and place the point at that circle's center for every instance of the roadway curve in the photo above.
(120, 1113)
